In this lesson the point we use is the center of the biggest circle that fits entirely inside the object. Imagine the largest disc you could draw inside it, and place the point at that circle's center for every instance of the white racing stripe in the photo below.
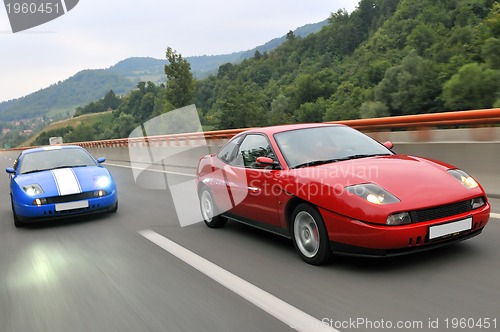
(274, 306)
(66, 181)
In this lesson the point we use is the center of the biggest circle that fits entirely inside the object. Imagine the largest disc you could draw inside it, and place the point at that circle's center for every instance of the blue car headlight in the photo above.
(372, 193)
(33, 189)
(102, 181)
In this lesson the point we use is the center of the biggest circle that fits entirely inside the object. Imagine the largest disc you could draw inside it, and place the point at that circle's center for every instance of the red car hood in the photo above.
(417, 182)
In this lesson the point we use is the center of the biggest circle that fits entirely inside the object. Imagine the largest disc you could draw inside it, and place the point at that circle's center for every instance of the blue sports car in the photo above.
(57, 182)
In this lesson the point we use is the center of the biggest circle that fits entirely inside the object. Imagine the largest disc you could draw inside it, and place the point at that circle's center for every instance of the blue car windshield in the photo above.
(58, 158)
(326, 144)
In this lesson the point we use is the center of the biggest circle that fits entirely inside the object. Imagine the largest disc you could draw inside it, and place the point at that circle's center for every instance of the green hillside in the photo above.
(386, 58)
(89, 123)
(64, 96)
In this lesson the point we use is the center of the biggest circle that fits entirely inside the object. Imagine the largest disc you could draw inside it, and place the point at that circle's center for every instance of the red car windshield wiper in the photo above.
(316, 162)
(328, 161)
(359, 156)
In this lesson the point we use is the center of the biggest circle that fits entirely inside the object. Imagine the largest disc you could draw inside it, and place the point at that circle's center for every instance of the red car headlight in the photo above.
(372, 193)
(476, 203)
(401, 218)
(465, 179)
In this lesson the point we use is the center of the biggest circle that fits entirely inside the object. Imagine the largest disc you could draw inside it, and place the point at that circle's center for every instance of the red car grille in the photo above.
(442, 211)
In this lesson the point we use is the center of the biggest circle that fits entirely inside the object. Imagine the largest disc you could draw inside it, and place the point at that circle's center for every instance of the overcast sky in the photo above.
(98, 33)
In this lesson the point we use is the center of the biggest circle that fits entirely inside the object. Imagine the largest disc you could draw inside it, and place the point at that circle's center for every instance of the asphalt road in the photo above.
(104, 274)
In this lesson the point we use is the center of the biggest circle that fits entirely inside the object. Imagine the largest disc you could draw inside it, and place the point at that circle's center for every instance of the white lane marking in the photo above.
(274, 306)
(495, 215)
(152, 170)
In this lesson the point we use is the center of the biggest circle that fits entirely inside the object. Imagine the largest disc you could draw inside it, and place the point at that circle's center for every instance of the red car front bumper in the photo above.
(349, 236)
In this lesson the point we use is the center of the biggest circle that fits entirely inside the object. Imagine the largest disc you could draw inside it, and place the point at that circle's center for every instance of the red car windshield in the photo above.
(320, 145)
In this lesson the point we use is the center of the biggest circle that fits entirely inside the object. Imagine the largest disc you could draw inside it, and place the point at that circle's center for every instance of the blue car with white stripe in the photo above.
(59, 182)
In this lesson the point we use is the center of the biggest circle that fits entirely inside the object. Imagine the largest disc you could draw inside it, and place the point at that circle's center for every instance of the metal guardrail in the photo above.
(175, 139)
(485, 117)
(458, 118)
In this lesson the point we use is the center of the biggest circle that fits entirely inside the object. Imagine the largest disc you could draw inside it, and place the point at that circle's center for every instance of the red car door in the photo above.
(255, 189)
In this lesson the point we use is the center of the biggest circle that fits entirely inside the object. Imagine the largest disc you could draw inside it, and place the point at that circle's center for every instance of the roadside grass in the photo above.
(89, 119)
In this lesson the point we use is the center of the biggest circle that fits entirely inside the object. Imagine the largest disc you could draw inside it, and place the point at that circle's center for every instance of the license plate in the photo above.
(450, 228)
(72, 205)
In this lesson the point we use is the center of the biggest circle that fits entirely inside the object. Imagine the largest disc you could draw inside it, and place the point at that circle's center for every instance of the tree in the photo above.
(493, 20)
(180, 82)
(310, 87)
(373, 109)
(345, 103)
(473, 87)
(280, 112)
(111, 100)
(311, 111)
(422, 37)
(240, 105)
(290, 36)
(491, 52)
(124, 125)
(409, 88)
(147, 107)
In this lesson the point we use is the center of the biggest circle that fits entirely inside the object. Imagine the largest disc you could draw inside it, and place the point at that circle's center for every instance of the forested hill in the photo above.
(388, 57)
(90, 85)
(64, 96)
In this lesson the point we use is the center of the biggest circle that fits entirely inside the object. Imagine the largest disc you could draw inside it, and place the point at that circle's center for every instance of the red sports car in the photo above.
(331, 188)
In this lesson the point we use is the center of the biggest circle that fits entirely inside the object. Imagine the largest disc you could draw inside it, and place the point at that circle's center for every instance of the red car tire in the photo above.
(309, 234)
(209, 210)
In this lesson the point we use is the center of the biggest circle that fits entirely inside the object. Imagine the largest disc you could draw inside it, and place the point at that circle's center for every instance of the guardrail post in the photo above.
(422, 134)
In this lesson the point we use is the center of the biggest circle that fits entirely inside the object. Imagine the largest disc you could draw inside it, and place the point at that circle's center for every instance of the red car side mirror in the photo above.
(266, 161)
(388, 145)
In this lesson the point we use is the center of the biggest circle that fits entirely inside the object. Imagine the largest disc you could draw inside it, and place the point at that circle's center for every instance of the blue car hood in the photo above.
(63, 181)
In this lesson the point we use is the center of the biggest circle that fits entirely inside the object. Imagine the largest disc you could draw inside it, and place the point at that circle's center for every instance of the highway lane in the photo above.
(102, 275)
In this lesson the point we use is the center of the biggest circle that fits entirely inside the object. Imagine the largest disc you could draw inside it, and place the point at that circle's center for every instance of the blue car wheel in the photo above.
(17, 222)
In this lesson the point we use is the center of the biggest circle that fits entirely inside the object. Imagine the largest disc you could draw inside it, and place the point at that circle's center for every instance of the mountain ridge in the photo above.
(88, 85)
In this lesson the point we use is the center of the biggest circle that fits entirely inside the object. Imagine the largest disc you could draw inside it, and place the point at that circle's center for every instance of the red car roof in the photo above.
(281, 128)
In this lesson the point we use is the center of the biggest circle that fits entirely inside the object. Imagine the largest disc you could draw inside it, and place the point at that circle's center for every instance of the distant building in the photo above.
(55, 140)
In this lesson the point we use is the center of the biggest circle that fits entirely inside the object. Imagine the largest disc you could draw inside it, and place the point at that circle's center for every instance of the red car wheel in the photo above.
(309, 235)
(209, 210)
